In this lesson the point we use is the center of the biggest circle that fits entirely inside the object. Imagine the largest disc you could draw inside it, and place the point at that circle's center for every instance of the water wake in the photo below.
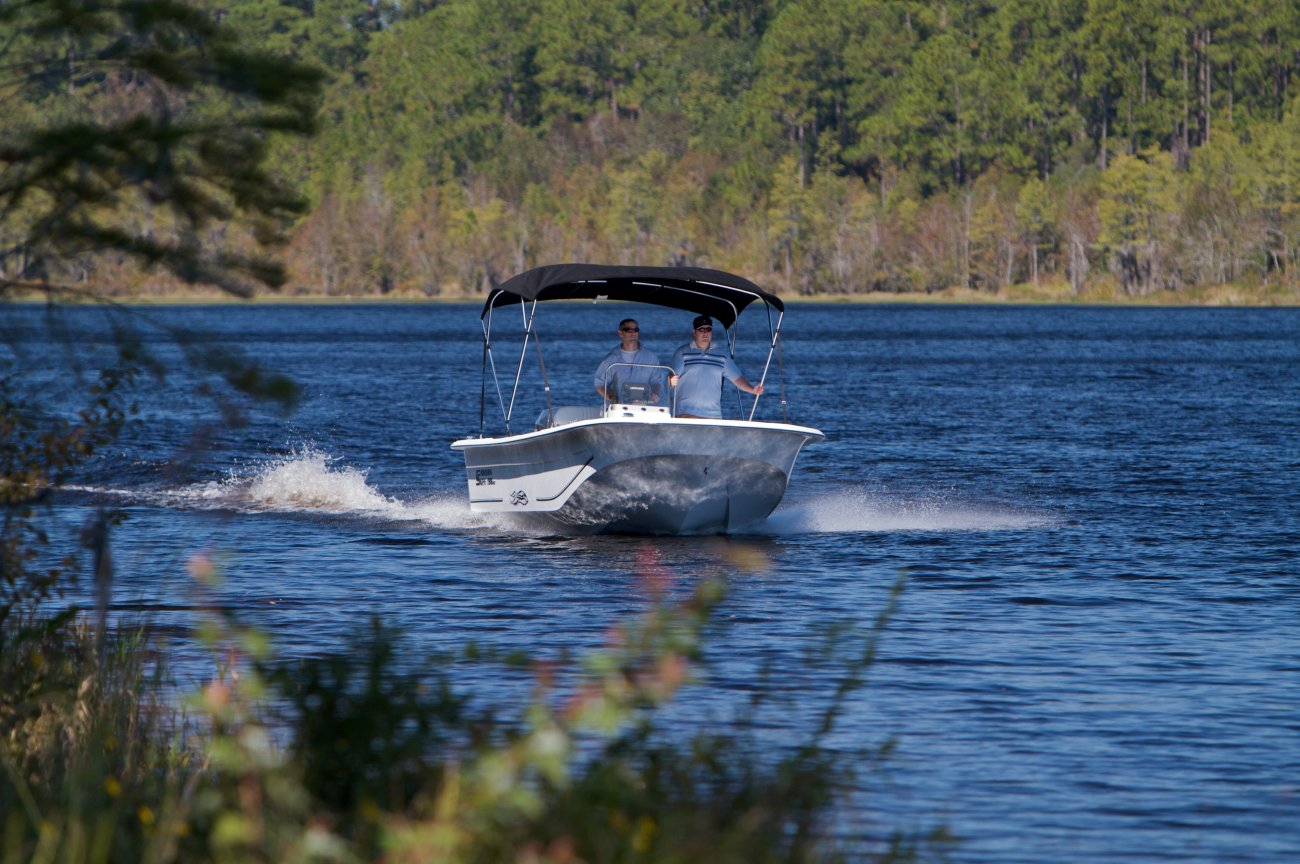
(313, 482)
(309, 481)
(851, 511)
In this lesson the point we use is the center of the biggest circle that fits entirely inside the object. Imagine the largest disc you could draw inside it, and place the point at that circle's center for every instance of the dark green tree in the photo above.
(881, 60)
(1034, 49)
(805, 75)
(141, 126)
(585, 57)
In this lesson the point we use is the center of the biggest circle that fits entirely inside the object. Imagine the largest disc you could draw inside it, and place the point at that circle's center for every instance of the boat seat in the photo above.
(570, 414)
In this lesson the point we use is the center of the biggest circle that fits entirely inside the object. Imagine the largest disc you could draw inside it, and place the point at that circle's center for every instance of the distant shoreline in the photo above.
(1217, 296)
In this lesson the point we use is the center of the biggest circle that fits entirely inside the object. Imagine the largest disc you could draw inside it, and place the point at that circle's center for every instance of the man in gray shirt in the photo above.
(612, 380)
(698, 373)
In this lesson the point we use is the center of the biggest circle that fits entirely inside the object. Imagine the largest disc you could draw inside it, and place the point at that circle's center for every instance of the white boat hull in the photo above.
(638, 472)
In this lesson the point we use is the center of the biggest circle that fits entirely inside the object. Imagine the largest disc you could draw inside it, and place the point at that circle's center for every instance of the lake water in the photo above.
(1097, 653)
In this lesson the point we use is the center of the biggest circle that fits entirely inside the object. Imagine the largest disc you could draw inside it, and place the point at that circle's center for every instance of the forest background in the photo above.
(1070, 149)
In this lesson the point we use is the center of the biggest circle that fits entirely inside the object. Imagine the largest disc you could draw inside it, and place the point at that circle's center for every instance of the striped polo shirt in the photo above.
(699, 390)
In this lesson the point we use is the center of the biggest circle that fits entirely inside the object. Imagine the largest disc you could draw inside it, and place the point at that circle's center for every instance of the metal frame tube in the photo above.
(771, 348)
(606, 402)
(527, 315)
(492, 363)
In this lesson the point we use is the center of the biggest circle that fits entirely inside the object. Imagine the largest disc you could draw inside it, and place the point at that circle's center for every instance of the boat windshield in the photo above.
(636, 384)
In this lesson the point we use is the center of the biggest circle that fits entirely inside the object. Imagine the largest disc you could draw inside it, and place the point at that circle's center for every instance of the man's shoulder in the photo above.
(614, 355)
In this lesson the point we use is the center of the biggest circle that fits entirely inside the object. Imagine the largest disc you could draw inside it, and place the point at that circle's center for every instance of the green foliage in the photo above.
(1274, 191)
(803, 70)
(90, 773)
(1035, 214)
(586, 57)
(897, 96)
(1136, 208)
(154, 125)
(367, 734)
(906, 98)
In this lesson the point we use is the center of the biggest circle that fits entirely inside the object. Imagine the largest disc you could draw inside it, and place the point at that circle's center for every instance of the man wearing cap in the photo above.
(698, 373)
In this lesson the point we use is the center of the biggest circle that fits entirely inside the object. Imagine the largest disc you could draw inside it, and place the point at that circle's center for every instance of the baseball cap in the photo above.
(701, 321)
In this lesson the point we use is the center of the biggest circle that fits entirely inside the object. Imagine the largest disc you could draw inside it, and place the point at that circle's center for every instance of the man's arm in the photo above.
(676, 365)
(732, 371)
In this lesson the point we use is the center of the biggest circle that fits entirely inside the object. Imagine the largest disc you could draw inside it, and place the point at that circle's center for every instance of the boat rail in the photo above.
(631, 392)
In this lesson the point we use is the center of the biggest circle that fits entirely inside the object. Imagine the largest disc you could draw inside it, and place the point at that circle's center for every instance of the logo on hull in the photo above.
(519, 498)
(483, 477)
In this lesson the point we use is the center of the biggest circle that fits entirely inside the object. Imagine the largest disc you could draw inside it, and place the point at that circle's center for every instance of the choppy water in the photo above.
(1097, 655)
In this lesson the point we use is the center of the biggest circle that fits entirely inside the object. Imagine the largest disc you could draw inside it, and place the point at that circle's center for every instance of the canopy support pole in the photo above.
(546, 384)
(482, 388)
(528, 314)
(492, 363)
(776, 341)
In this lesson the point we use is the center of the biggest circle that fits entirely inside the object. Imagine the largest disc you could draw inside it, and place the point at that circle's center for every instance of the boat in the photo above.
(630, 464)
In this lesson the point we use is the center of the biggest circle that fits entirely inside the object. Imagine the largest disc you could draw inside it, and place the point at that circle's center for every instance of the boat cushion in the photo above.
(570, 414)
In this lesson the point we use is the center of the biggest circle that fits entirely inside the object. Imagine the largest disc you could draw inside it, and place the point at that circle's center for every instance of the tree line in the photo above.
(814, 145)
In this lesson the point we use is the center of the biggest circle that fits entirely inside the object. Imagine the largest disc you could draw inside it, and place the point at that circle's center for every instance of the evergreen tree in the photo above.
(586, 58)
(143, 123)
(1136, 209)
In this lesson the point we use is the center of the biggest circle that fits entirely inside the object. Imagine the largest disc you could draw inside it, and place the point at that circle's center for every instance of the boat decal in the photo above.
(483, 477)
(519, 498)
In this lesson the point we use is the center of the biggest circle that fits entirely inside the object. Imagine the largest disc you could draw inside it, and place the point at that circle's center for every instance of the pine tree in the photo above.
(145, 123)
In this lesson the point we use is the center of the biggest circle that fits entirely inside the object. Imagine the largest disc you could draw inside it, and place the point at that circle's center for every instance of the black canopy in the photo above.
(719, 295)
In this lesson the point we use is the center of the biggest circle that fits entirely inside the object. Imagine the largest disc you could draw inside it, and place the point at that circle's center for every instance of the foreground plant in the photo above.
(370, 754)
(588, 770)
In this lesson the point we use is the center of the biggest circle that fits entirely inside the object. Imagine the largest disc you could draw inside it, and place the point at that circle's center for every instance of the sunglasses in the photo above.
(630, 329)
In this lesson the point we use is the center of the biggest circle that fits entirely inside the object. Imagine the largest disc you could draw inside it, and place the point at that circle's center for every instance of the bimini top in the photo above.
(722, 296)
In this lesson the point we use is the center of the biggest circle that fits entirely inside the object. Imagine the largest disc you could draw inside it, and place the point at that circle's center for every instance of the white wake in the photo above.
(310, 481)
(307, 481)
(849, 511)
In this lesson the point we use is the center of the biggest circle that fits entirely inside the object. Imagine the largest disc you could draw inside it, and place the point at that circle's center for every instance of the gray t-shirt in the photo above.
(638, 374)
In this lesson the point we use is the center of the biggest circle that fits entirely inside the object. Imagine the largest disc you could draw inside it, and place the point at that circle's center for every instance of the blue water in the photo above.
(1097, 653)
